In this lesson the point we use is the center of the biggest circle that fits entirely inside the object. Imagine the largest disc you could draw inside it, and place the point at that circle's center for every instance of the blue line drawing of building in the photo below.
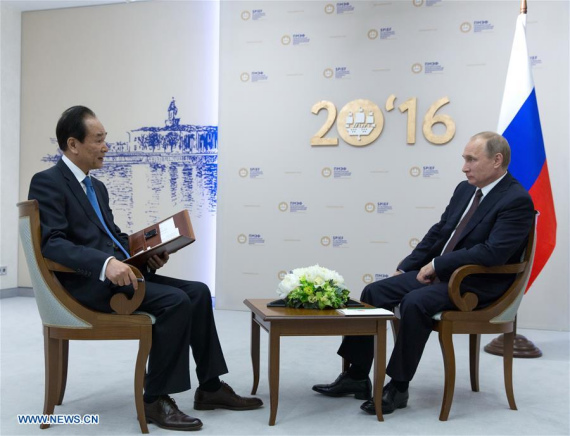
(176, 161)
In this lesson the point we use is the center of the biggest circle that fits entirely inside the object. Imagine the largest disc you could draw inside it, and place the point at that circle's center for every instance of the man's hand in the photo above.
(158, 261)
(120, 274)
(426, 274)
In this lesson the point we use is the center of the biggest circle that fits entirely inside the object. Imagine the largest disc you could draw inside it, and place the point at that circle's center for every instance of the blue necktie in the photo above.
(93, 200)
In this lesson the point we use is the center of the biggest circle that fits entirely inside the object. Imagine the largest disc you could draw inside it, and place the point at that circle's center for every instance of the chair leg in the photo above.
(62, 369)
(508, 367)
(446, 342)
(474, 348)
(52, 354)
(395, 323)
(142, 356)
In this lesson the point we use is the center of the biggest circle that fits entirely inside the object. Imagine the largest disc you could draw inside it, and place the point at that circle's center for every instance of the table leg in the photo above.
(379, 366)
(274, 343)
(254, 353)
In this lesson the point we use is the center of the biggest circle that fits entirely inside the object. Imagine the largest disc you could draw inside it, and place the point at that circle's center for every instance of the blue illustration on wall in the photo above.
(178, 161)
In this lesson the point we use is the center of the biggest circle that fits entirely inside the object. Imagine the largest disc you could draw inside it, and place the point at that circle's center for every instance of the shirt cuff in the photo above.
(102, 274)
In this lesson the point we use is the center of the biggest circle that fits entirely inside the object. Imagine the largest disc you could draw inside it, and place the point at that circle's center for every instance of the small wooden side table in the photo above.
(284, 321)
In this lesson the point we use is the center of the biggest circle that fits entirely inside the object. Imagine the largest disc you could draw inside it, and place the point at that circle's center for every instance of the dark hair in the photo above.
(496, 143)
(71, 125)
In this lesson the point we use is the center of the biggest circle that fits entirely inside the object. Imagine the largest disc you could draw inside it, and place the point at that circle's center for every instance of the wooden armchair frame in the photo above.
(64, 318)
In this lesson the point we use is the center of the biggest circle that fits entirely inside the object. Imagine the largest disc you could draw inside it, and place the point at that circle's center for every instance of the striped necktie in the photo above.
(93, 200)
(461, 226)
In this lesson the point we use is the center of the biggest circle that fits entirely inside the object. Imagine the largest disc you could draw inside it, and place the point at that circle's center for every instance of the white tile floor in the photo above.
(100, 382)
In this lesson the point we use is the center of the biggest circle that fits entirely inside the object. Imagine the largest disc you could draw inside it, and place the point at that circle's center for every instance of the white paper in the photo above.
(360, 311)
(168, 230)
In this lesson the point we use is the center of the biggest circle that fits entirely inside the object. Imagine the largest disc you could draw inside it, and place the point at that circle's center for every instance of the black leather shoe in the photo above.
(165, 413)
(392, 399)
(224, 398)
(344, 385)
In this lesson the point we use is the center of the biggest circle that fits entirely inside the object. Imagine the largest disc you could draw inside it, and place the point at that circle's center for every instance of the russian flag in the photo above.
(520, 123)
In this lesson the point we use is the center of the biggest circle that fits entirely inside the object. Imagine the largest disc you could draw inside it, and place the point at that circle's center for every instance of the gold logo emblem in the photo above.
(367, 278)
(372, 34)
(243, 172)
(418, 3)
(245, 15)
(242, 239)
(285, 40)
(415, 171)
(326, 172)
(465, 27)
(417, 68)
(283, 206)
(414, 242)
(369, 207)
(360, 122)
(244, 77)
(328, 73)
(281, 274)
(325, 241)
(329, 9)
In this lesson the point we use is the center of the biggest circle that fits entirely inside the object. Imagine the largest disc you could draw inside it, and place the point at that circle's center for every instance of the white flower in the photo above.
(289, 282)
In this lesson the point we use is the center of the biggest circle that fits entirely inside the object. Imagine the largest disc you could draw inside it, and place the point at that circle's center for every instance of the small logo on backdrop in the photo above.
(342, 173)
(432, 2)
(326, 172)
(387, 33)
(243, 172)
(339, 241)
(325, 241)
(465, 27)
(415, 171)
(244, 77)
(255, 173)
(257, 14)
(383, 207)
(372, 34)
(344, 8)
(281, 274)
(242, 239)
(430, 172)
(417, 68)
(418, 3)
(328, 73)
(329, 9)
(414, 242)
(360, 122)
(482, 26)
(369, 207)
(256, 239)
(283, 206)
(297, 206)
(245, 15)
(367, 278)
(257, 76)
(433, 67)
(341, 73)
(286, 40)
(300, 38)
(380, 276)
(535, 61)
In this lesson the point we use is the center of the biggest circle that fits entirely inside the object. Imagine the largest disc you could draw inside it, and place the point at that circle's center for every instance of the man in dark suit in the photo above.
(78, 231)
(486, 223)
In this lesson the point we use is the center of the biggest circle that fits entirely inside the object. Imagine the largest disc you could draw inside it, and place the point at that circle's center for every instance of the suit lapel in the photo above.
(79, 194)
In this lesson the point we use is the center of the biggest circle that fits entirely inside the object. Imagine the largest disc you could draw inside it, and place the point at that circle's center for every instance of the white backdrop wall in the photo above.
(127, 62)
(284, 203)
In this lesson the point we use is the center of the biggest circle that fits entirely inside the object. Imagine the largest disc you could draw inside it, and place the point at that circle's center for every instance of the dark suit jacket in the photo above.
(495, 235)
(72, 234)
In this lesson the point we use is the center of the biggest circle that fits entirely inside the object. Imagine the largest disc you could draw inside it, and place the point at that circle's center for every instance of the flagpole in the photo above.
(522, 347)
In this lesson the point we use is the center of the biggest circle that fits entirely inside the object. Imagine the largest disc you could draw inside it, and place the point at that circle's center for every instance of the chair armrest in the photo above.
(468, 301)
(120, 303)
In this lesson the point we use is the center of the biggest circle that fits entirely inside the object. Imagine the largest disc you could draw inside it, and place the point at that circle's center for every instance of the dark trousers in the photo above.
(418, 303)
(184, 321)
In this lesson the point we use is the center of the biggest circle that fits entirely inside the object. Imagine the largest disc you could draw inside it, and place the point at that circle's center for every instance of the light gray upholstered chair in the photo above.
(499, 317)
(64, 318)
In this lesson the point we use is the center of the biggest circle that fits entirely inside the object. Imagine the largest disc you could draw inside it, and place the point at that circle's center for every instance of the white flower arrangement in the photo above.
(314, 287)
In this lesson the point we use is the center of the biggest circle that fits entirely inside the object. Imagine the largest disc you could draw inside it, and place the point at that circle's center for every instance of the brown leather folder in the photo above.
(149, 241)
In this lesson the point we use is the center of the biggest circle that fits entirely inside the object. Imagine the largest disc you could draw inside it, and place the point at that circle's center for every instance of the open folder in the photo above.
(168, 235)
